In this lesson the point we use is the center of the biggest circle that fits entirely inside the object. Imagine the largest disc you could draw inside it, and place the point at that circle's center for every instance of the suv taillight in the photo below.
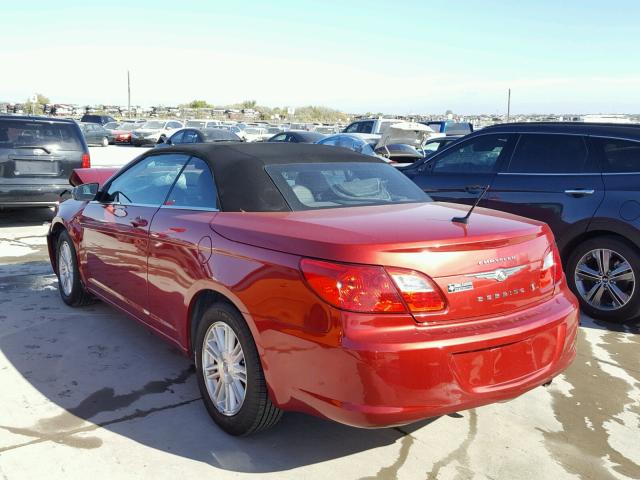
(86, 160)
(371, 289)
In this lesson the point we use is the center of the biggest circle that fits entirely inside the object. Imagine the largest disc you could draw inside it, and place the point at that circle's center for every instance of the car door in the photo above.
(115, 237)
(180, 245)
(553, 178)
(459, 174)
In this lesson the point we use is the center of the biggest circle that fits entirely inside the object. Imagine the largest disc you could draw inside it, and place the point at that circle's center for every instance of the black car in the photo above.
(37, 156)
(295, 136)
(95, 134)
(582, 179)
(200, 135)
(99, 119)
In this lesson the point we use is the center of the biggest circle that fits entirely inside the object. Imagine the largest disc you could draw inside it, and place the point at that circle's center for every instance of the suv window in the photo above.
(539, 153)
(16, 134)
(174, 125)
(176, 138)
(190, 136)
(620, 156)
(147, 182)
(195, 188)
(279, 138)
(353, 128)
(478, 155)
(365, 127)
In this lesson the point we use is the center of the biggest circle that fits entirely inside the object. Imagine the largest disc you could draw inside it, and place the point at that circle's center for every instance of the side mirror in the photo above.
(85, 192)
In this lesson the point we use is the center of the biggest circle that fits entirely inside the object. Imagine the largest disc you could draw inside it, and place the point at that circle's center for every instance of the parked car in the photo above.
(581, 179)
(449, 127)
(99, 119)
(120, 132)
(255, 134)
(374, 126)
(204, 135)
(297, 136)
(436, 144)
(96, 134)
(37, 156)
(308, 278)
(351, 142)
(154, 131)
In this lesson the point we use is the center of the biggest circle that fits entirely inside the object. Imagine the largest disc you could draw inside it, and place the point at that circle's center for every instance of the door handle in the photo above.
(579, 192)
(139, 222)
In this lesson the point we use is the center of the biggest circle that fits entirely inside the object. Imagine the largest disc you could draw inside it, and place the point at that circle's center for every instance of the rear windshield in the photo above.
(307, 186)
(57, 136)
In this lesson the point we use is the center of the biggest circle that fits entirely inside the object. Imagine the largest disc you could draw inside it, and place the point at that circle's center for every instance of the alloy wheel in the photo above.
(65, 268)
(605, 279)
(224, 368)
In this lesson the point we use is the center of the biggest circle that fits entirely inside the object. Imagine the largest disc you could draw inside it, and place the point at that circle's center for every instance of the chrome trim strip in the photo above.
(199, 209)
(550, 174)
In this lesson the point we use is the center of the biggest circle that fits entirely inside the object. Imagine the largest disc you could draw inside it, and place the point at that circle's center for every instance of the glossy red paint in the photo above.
(493, 342)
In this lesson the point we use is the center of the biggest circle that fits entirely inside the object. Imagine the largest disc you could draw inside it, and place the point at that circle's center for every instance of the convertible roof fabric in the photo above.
(239, 169)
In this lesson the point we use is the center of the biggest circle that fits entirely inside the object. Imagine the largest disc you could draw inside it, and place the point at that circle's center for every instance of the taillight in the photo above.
(86, 160)
(417, 290)
(359, 288)
(372, 289)
(551, 271)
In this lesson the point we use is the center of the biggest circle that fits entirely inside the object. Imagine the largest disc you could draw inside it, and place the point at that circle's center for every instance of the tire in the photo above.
(614, 298)
(255, 412)
(105, 142)
(70, 287)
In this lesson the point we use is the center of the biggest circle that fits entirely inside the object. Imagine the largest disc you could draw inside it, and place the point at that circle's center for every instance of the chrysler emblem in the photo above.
(499, 275)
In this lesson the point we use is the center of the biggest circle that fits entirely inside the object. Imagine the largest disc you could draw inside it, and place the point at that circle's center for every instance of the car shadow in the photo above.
(25, 217)
(589, 322)
(106, 372)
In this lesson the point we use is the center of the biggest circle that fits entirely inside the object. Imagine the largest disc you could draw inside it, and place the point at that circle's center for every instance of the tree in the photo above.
(42, 99)
(249, 104)
(198, 104)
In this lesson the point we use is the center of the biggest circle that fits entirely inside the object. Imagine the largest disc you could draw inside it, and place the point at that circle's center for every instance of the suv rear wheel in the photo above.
(604, 273)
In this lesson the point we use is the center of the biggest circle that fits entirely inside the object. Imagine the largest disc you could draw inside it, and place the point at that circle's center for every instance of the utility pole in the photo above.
(508, 105)
(128, 95)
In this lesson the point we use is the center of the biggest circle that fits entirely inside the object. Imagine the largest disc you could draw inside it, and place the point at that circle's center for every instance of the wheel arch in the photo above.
(57, 227)
(202, 300)
(626, 234)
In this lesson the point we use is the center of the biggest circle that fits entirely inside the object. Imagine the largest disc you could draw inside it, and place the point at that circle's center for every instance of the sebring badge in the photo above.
(499, 275)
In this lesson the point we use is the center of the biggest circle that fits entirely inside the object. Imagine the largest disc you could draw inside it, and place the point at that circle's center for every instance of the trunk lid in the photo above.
(489, 266)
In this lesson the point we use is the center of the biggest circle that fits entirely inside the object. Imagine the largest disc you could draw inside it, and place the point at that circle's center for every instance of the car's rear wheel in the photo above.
(230, 375)
(105, 142)
(69, 284)
(604, 273)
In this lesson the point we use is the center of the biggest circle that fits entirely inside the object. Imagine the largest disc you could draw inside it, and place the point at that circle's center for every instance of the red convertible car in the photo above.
(310, 278)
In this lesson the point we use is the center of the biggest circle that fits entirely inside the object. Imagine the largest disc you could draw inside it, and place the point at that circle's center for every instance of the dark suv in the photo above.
(37, 156)
(99, 119)
(582, 179)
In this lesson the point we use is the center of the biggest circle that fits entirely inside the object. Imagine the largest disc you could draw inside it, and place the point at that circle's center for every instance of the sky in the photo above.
(399, 56)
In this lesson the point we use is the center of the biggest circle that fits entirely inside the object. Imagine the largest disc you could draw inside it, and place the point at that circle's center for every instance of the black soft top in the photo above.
(239, 169)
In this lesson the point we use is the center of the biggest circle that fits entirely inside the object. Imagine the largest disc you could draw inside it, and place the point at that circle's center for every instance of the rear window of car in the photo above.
(308, 186)
(540, 153)
(57, 136)
(620, 156)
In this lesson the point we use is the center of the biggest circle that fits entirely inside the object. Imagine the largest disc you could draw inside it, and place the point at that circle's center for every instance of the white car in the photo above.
(256, 134)
(154, 131)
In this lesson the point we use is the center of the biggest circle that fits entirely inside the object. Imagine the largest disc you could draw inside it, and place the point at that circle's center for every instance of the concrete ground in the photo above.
(90, 393)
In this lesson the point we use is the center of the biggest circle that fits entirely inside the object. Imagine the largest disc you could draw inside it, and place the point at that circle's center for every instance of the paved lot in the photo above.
(88, 392)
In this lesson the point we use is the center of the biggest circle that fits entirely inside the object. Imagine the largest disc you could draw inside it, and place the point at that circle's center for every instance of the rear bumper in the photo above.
(41, 195)
(397, 376)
